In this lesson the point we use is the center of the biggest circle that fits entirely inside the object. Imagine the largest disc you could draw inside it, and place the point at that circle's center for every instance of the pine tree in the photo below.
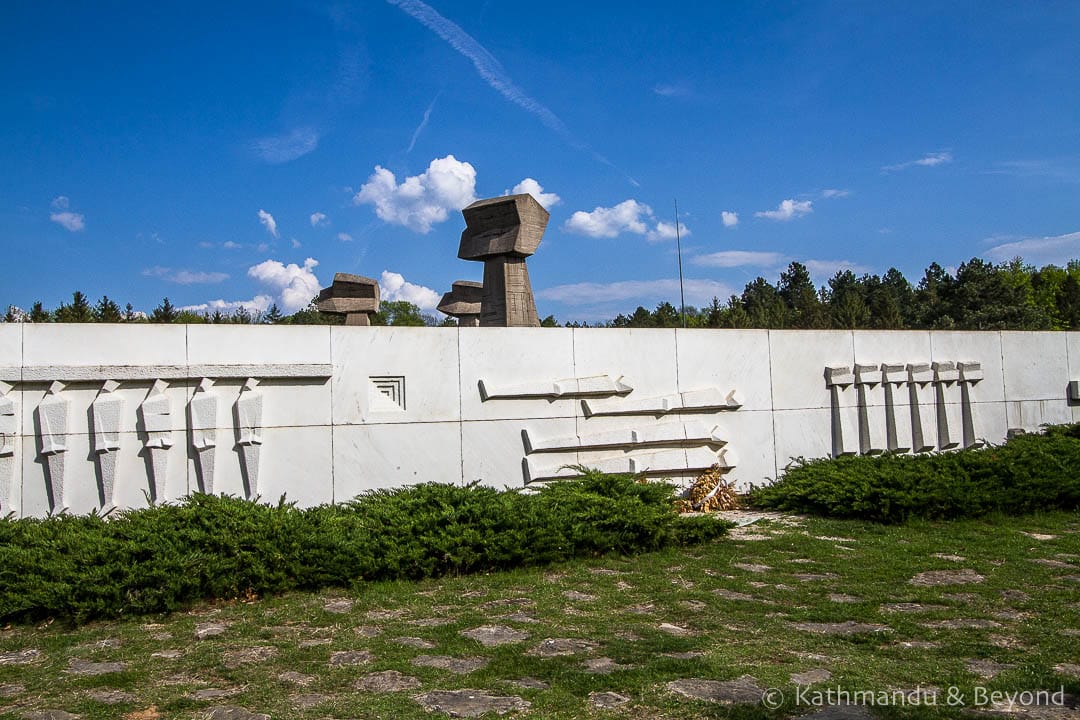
(106, 311)
(79, 311)
(164, 313)
(38, 313)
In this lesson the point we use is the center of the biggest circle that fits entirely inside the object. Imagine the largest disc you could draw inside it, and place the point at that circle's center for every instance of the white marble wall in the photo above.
(331, 412)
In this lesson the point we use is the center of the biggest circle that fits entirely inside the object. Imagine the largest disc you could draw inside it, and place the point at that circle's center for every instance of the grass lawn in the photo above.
(831, 602)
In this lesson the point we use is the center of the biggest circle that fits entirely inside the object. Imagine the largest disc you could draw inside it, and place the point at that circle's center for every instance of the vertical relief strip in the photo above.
(945, 374)
(52, 416)
(203, 418)
(970, 373)
(156, 412)
(838, 379)
(920, 375)
(105, 414)
(9, 426)
(897, 422)
(249, 407)
(870, 440)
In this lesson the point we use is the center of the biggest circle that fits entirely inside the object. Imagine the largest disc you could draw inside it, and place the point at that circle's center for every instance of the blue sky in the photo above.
(244, 153)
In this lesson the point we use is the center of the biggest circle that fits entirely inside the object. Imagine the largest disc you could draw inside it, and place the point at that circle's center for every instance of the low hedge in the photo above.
(1027, 474)
(166, 557)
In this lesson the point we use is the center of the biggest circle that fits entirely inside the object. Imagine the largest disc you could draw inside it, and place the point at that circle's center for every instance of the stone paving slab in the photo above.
(469, 703)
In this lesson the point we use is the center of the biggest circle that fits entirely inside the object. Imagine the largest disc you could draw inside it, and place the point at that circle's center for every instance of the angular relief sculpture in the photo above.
(105, 413)
(249, 407)
(52, 416)
(838, 379)
(502, 232)
(970, 373)
(871, 439)
(664, 462)
(945, 374)
(354, 296)
(629, 438)
(897, 408)
(463, 302)
(920, 375)
(9, 428)
(156, 412)
(203, 412)
(692, 401)
(592, 386)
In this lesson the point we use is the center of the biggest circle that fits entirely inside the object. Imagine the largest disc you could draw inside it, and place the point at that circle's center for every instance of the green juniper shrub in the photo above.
(1027, 474)
(163, 558)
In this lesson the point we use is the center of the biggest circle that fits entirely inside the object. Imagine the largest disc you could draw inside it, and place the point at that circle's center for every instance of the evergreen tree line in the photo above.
(981, 296)
(81, 310)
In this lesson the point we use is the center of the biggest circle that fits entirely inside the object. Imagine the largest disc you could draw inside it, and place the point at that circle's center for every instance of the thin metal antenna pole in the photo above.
(678, 243)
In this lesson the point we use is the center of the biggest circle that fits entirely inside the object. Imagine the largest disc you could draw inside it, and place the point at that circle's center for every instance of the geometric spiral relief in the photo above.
(387, 392)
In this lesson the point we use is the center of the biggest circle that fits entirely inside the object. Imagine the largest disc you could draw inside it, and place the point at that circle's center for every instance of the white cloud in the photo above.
(1056, 250)
(822, 270)
(787, 210)
(422, 200)
(256, 305)
(392, 286)
(319, 219)
(666, 231)
(532, 187)
(294, 285)
(730, 219)
(627, 216)
(70, 221)
(834, 193)
(485, 63)
(295, 243)
(740, 258)
(185, 277)
(290, 146)
(230, 245)
(344, 237)
(928, 160)
(698, 292)
(268, 222)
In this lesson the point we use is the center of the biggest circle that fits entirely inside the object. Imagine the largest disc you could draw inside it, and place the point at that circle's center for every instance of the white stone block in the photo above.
(504, 467)
(798, 358)
(367, 457)
(1030, 415)
(370, 361)
(726, 359)
(897, 413)
(510, 356)
(872, 415)
(243, 344)
(1036, 365)
(11, 346)
(645, 356)
(297, 463)
(801, 434)
(90, 344)
(967, 346)
(892, 347)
